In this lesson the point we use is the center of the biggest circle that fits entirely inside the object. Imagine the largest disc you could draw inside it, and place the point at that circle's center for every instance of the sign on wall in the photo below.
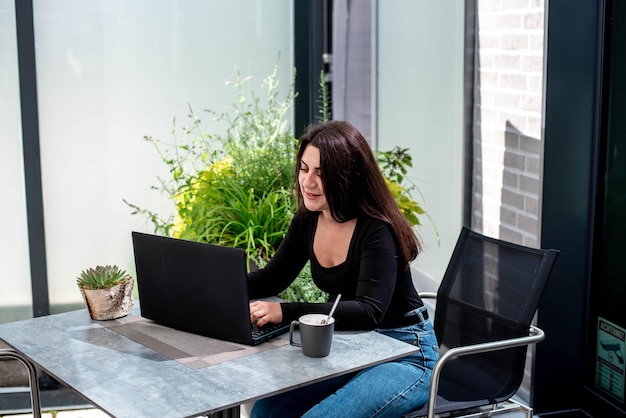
(610, 366)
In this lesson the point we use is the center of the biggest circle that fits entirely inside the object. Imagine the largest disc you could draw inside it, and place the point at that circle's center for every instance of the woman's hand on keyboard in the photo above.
(262, 313)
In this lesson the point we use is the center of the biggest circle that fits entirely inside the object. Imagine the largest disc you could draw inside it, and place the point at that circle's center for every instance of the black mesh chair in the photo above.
(484, 307)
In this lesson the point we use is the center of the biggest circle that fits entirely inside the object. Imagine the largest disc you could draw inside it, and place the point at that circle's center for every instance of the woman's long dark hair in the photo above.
(353, 183)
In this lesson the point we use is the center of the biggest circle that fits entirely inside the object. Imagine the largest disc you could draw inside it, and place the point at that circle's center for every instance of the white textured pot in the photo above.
(112, 303)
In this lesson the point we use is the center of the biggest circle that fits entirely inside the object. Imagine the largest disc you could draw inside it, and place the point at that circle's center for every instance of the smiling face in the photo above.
(310, 180)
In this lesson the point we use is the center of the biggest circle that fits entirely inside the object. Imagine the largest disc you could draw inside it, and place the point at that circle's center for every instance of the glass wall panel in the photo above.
(15, 296)
(419, 105)
(111, 72)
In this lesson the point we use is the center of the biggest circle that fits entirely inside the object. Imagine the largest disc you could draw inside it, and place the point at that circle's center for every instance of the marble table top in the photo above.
(128, 379)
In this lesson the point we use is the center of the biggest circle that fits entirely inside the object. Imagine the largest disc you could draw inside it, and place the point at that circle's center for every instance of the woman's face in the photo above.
(310, 180)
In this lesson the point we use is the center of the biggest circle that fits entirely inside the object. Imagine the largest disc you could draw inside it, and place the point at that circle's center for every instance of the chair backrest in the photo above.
(490, 291)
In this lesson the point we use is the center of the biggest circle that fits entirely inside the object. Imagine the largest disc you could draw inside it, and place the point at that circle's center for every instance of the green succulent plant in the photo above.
(101, 277)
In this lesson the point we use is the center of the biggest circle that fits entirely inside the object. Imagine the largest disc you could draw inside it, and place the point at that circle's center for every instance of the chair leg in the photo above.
(527, 410)
(35, 398)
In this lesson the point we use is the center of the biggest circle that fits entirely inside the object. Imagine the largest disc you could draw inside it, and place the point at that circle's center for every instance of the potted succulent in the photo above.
(107, 290)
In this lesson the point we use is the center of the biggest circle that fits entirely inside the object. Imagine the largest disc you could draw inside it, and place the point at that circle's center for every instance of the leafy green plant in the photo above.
(394, 165)
(234, 186)
(324, 107)
(232, 214)
(102, 277)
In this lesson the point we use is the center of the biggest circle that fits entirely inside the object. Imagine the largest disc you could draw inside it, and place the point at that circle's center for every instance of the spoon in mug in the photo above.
(332, 310)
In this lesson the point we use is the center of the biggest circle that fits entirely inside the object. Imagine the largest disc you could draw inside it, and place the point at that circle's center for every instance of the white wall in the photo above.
(110, 72)
(419, 105)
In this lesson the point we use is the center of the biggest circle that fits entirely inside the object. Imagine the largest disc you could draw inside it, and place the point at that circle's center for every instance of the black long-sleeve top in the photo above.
(375, 290)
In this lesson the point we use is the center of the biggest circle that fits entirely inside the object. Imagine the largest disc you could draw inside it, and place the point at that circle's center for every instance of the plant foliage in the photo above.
(236, 188)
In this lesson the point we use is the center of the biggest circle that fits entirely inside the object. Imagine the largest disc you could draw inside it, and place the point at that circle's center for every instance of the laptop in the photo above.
(198, 288)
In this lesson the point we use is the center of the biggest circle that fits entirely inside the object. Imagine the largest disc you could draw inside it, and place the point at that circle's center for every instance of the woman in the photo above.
(360, 245)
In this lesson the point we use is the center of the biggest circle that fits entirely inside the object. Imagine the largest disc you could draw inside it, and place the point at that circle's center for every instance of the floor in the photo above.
(95, 413)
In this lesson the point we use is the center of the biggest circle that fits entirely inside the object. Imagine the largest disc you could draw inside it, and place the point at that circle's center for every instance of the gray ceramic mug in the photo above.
(315, 338)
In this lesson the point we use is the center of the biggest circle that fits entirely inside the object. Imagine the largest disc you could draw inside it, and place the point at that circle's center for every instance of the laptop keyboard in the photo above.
(266, 330)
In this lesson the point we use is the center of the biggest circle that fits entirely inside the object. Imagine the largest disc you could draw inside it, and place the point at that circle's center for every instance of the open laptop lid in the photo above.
(196, 287)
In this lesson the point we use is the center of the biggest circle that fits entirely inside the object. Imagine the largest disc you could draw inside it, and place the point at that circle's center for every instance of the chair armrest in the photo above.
(35, 399)
(535, 335)
(427, 295)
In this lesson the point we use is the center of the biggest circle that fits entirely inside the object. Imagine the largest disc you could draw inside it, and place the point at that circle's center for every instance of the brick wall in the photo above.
(508, 132)
(508, 119)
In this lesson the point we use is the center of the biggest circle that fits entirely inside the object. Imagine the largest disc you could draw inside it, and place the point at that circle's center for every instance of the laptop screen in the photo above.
(191, 286)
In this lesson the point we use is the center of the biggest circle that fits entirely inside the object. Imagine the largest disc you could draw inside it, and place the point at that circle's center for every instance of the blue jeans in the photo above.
(386, 390)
